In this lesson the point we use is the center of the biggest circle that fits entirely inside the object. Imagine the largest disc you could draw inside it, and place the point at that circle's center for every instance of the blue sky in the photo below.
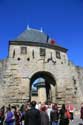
(61, 19)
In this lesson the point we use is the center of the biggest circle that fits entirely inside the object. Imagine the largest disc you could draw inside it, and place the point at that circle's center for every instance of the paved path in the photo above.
(76, 121)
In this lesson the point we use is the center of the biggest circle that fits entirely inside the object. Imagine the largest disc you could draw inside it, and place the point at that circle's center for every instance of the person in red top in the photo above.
(70, 108)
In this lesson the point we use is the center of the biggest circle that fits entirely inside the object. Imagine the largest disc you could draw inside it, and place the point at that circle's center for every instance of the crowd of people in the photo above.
(33, 113)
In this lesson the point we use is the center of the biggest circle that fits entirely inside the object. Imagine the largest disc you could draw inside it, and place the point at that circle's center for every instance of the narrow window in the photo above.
(33, 54)
(75, 88)
(58, 55)
(75, 92)
(64, 58)
(74, 82)
(51, 55)
(13, 53)
(42, 52)
(23, 50)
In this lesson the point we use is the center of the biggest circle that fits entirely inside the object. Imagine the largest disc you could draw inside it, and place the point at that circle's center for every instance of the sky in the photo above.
(60, 19)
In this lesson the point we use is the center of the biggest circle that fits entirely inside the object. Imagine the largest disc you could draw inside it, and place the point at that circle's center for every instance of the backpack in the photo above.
(67, 115)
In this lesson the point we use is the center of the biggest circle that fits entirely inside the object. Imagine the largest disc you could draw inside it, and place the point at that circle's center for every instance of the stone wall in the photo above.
(1, 85)
(80, 77)
(77, 79)
(17, 70)
(3, 67)
(24, 69)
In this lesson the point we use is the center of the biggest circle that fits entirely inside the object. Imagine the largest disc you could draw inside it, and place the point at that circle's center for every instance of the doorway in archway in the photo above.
(42, 87)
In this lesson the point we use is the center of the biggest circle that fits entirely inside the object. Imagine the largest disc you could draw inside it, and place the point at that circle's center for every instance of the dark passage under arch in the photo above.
(47, 76)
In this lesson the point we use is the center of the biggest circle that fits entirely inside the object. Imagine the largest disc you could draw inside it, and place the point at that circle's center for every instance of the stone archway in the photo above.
(50, 84)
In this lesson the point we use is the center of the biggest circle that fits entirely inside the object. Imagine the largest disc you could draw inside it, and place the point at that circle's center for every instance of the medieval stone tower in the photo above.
(34, 55)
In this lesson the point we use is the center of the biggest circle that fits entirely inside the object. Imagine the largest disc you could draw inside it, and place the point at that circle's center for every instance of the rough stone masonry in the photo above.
(32, 55)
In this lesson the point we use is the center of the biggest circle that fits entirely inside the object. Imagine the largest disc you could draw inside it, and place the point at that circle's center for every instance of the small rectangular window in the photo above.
(23, 50)
(58, 55)
(42, 52)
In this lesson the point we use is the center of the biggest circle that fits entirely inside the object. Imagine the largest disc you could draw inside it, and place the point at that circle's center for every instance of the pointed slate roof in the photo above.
(32, 35)
(35, 37)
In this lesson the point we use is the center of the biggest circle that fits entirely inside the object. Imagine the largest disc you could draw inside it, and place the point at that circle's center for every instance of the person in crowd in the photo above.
(49, 109)
(70, 108)
(64, 116)
(2, 115)
(22, 112)
(1, 118)
(44, 116)
(17, 116)
(81, 111)
(32, 116)
(38, 105)
(9, 117)
(27, 106)
(54, 115)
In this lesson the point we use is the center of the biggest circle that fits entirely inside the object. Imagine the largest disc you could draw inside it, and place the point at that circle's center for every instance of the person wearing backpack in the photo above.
(64, 116)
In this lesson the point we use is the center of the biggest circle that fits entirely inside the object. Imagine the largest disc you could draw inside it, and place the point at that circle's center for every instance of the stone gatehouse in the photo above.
(34, 56)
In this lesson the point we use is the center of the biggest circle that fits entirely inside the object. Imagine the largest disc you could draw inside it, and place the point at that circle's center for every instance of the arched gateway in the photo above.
(34, 55)
(43, 87)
